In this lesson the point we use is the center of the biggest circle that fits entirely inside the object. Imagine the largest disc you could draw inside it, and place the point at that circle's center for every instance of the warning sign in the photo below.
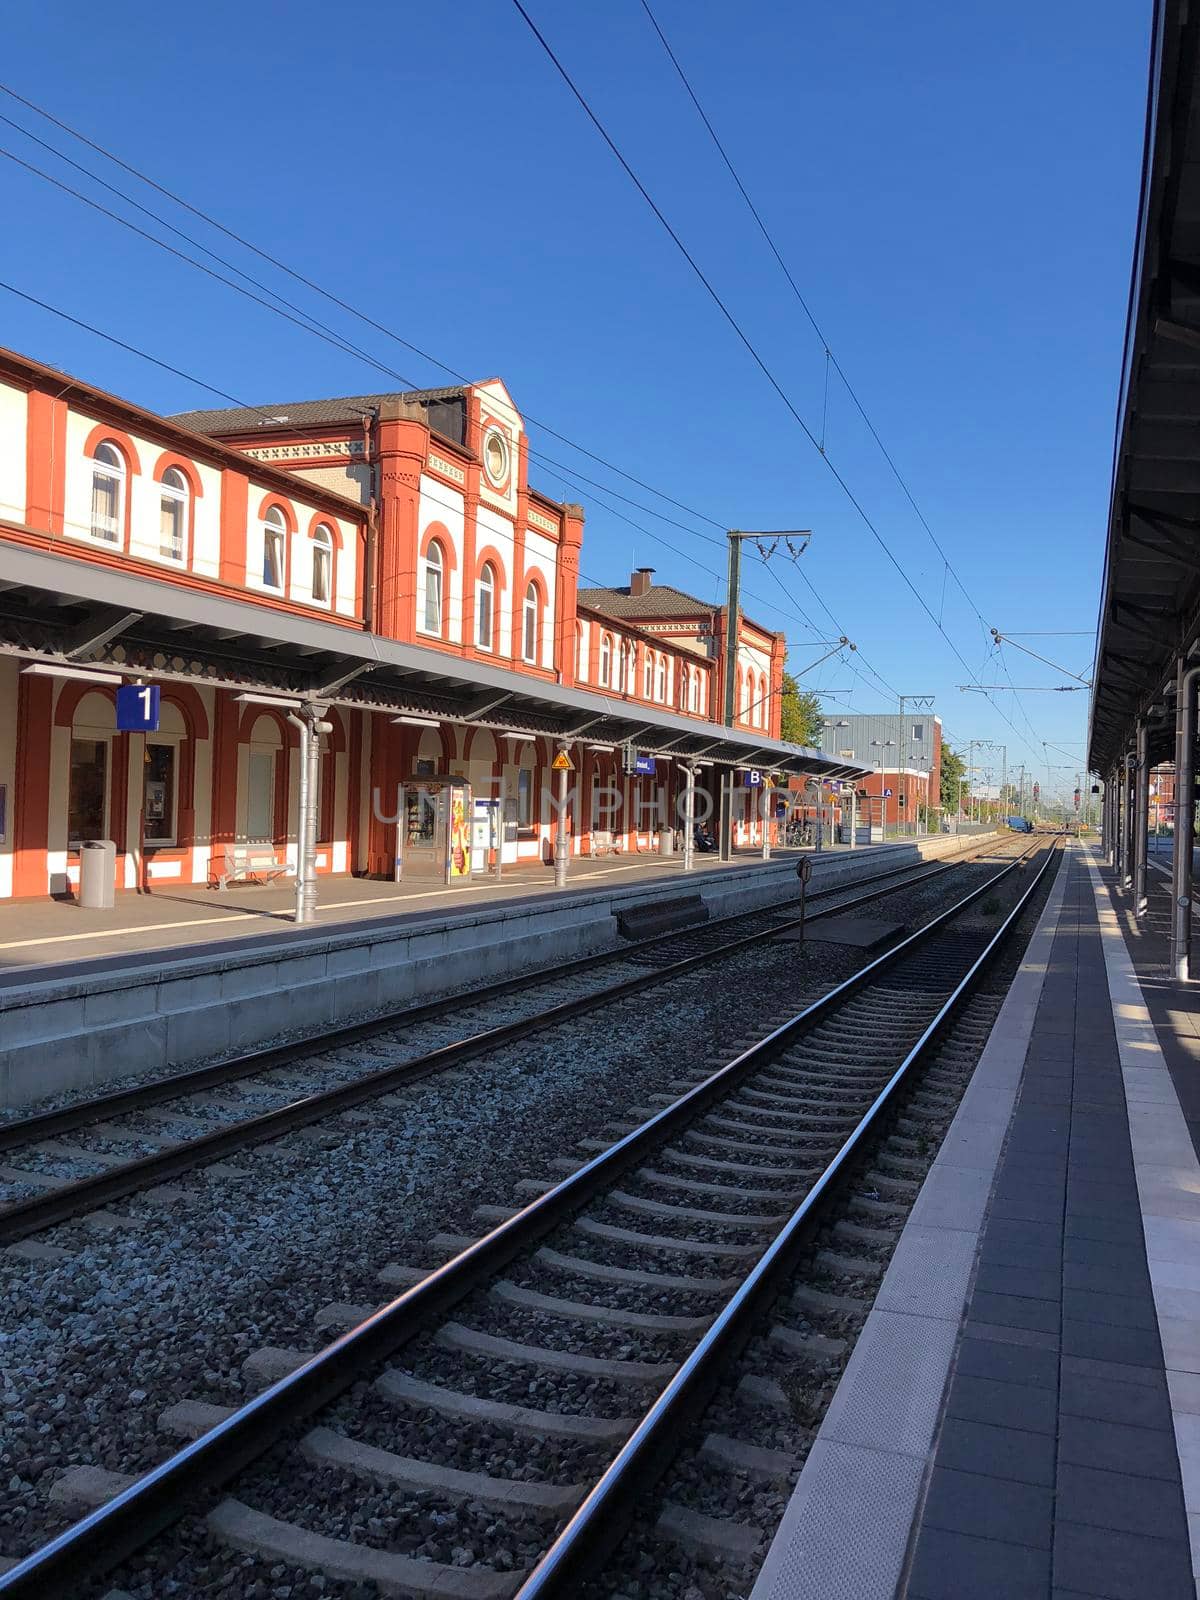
(562, 763)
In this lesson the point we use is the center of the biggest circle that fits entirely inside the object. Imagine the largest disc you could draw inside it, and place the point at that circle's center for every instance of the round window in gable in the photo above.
(495, 456)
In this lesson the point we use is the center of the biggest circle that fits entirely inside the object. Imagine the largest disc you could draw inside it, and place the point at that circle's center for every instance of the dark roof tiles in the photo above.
(305, 413)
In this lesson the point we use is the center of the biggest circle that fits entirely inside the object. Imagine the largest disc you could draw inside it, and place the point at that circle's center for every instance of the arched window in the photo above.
(531, 621)
(274, 549)
(648, 676)
(434, 578)
(606, 661)
(322, 565)
(764, 694)
(108, 494)
(485, 601)
(623, 667)
(697, 689)
(662, 679)
(684, 683)
(172, 515)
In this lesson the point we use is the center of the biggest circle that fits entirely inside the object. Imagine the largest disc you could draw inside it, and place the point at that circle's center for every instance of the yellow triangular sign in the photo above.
(562, 763)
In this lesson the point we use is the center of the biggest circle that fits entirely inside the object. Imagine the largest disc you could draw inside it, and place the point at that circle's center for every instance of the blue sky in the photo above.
(953, 187)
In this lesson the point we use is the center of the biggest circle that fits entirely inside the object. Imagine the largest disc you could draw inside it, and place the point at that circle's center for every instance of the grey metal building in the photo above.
(878, 742)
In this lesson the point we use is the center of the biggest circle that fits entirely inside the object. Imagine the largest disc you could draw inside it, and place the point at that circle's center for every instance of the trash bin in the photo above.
(97, 874)
(666, 842)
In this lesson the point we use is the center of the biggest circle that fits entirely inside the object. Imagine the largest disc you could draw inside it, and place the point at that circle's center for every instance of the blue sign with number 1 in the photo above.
(137, 708)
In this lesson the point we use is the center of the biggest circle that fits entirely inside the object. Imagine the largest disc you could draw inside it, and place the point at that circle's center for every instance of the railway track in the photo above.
(133, 1139)
(550, 1367)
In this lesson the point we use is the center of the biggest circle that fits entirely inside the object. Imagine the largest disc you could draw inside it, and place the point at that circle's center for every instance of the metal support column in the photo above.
(1141, 818)
(1185, 780)
(725, 819)
(689, 818)
(560, 832)
(1130, 820)
(853, 817)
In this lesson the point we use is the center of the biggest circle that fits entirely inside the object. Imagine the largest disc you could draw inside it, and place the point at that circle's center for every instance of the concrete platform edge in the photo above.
(1168, 1180)
(845, 1532)
(75, 1032)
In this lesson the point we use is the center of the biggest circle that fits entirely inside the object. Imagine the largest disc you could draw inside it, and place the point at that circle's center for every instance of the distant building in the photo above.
(904, 755)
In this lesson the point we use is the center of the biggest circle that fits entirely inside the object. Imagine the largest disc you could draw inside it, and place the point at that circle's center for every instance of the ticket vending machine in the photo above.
(485, 834)
(434, 840)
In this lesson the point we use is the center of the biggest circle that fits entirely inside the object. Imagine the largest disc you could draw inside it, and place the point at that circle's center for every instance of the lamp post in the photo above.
(884, 744)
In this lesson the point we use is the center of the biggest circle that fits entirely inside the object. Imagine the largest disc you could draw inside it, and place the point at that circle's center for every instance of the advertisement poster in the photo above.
(459, 842)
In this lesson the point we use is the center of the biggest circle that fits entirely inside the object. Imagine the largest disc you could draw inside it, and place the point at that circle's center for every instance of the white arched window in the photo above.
(580, 657)
(172, 515)
(623, 667)
(662, 679)
(697, 687)
(606, 661)
(431, 615)
(764, 694)
(274, 549)
(322, 565)
(684, 684)
(485, 605)
(529, 630)
(648, 676)
(108, 494)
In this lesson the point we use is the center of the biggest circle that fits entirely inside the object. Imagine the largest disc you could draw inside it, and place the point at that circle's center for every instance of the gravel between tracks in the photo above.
(166, 1301)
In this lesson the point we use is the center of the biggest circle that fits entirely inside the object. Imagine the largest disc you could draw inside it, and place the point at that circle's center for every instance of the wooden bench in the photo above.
(246, 863)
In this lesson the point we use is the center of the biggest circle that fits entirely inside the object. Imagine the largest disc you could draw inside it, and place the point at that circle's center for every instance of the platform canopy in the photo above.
(71, 614)
(1150, 603)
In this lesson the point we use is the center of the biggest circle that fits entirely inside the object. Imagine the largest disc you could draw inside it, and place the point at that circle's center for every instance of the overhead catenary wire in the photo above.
(295, 315)
(743, 338)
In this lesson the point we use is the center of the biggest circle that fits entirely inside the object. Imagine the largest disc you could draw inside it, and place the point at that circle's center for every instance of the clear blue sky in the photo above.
(954, 188)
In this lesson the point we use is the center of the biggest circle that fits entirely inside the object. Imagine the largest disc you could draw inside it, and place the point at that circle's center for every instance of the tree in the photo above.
(801, 721)
(954, 770)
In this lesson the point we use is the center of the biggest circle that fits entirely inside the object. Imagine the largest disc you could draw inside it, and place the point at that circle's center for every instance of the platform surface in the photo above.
(1021, 1417)
(63, 939)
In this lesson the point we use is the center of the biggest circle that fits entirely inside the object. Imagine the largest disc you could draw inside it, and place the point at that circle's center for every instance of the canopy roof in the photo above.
(1150, 601)
(74, 613)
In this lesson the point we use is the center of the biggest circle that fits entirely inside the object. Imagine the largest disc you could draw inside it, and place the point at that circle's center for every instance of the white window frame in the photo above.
(322, 545)
(179, 495)
(530, 608)
(485, 585)
(435, 569)
(606, 660)
(624, 667)
(117, 473)
(660, 681)
(648, 676)
(276, 530)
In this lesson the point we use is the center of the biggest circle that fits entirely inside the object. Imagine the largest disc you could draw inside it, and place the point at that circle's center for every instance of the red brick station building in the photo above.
(380, 561)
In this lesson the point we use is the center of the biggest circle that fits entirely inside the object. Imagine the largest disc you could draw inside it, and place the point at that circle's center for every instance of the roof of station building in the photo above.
(309, 413)
(660, 600)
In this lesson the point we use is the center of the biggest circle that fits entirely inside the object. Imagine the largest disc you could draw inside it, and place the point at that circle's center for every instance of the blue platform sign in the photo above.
(752, 778)
(644, 765)
(887, 794)
(137, 708)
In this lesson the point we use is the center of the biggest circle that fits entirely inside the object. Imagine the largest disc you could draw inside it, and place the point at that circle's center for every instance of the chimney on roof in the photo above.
(640, 581)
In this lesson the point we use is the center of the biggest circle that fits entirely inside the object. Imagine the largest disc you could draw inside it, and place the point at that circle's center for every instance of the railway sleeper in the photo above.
(515, 1294)
(490, 1347)
(708, 1536)
(670, 1180)
(805, 1300)
(660, 1208)
(334, 1450)
(633, 1277)
(241, 1527)
(413, 1394)
(857, 1233)
(754, 1460)
(686, 1158)
(806, 1346)
(663, 1242)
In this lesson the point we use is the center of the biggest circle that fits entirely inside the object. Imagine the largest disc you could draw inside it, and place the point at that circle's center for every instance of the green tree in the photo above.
(801, 721)
(954, 769)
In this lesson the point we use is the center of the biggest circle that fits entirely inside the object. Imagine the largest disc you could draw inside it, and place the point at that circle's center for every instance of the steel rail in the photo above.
(66, 1119)
(98, 1542)
(23, 1217)
(598, 1526)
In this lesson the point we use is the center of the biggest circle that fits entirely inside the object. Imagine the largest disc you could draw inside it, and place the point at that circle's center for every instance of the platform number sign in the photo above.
(137, 708)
